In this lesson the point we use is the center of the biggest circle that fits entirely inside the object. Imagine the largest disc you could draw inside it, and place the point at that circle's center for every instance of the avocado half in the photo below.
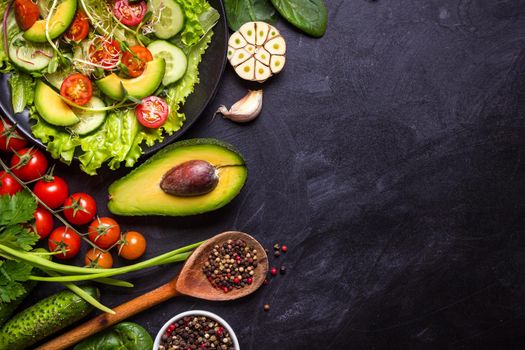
(139, 192)
(58, 23)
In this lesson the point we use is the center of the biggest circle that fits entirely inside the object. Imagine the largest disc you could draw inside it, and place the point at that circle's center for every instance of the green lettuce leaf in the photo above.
(22, 90)
(193, 30)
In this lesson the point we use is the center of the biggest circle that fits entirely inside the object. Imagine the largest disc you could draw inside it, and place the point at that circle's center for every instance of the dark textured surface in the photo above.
(389, 158)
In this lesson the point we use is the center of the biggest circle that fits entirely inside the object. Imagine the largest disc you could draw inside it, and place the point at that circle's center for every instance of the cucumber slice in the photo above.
(29, 56)
(176, 61)
(89, 121)
(169, 15)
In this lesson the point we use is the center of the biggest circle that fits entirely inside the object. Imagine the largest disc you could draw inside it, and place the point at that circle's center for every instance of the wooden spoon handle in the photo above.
(106, 320)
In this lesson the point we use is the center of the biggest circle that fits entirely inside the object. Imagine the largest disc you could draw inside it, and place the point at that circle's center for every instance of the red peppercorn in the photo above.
(284, 249)
(225, 289)
(250, 280)
(171, 327)
(273, 271)
(236, 280)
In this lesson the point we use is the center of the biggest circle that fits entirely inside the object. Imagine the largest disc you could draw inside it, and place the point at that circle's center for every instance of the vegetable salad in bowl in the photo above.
(102, 79)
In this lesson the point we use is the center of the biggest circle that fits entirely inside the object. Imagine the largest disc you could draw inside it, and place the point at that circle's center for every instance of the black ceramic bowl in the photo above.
(211, 69)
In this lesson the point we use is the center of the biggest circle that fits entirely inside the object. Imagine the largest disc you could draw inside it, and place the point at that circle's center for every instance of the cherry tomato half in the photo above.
(132, 246)
(105, 53)
(152, 112)
(135, 61)
(44, 222)
(104, 232)
(130, 14)
(26, 13)
(29, 164)
(8, 184)
(65, 241)
(77, 88)
(10, 139)
(53, 192)
(80, 208)
(79, 29)
(98, 259)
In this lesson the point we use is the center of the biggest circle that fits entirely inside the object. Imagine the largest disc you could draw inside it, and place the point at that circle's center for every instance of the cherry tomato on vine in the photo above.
(105, 53)
(44, 222)
(104, 232)
(132, 246)
(77, 88)
(80, 208)
(29, 164)
(65, 241)
(130, 14)
(79, 29)
(152, 112)
(135, 61)
(10, 139)
(8, 184)
(53, 191)
(26, 13)
(98, 259)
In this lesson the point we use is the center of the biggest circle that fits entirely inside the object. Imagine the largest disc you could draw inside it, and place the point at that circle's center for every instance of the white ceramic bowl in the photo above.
(197, 313)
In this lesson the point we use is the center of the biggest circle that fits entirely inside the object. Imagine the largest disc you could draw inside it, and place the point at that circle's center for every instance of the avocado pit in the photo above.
(189, 179)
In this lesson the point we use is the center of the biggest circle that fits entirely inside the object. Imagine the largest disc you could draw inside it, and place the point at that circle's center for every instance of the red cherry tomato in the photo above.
(130, 14)
(104, 232)
(26, 13)
(10, 139)
(65, 241)
(8, 184)
(77, 88)
(135, 61)
(80, 208)
(132, 246)
(98, 259)
(44, 222)
(29, 164)
(105, 53)
(53, 192)
(79, 29)
(152, 112)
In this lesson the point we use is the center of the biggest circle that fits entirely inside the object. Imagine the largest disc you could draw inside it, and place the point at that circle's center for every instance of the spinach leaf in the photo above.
(124, 336)
(239, 12)
(310, 16)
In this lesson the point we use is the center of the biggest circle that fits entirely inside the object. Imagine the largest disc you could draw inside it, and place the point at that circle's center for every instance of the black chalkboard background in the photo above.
(389, 157)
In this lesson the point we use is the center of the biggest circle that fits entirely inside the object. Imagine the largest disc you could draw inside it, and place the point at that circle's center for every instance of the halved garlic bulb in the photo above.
(257, 51)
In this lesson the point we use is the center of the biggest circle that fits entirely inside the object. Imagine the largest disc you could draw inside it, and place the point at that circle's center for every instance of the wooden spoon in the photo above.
(191, 281)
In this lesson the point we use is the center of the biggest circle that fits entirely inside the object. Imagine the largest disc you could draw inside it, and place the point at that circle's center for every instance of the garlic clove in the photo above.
(246, 109)
(231, 51)
(246, 70)
(262, 72)
(250, 48)
(247, 30)
(272, 33)
(262, 33)
(239, 57)
(237, 41)
(276, 46)
(277, 63)
(263, 56)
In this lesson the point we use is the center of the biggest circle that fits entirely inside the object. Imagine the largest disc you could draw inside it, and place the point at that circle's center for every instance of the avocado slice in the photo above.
(139, 192)
(51, 107)
(58, 23)
(139, 87)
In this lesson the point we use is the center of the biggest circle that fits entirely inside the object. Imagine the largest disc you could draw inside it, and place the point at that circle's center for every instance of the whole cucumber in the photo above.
(45, 318)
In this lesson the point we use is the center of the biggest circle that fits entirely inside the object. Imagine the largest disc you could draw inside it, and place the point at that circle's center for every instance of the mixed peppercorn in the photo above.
(196, 332)
(231, 265)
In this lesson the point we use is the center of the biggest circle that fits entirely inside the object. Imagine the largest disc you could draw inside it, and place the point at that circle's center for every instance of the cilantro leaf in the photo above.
(16, 209)
(12, 273)
(18, 237)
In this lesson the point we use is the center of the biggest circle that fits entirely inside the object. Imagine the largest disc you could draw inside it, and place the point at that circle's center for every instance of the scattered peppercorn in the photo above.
(266, 307)
(196, 332)
(265, 282)
(273, 271)
(284, 249)
(276, 254)
(276, 246)
(231, 265)
(282, 270)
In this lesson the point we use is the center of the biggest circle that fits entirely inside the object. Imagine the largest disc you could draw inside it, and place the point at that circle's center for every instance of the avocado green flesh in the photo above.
(51, 107)
(58, 23)
(139, 87)
(139, 193)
